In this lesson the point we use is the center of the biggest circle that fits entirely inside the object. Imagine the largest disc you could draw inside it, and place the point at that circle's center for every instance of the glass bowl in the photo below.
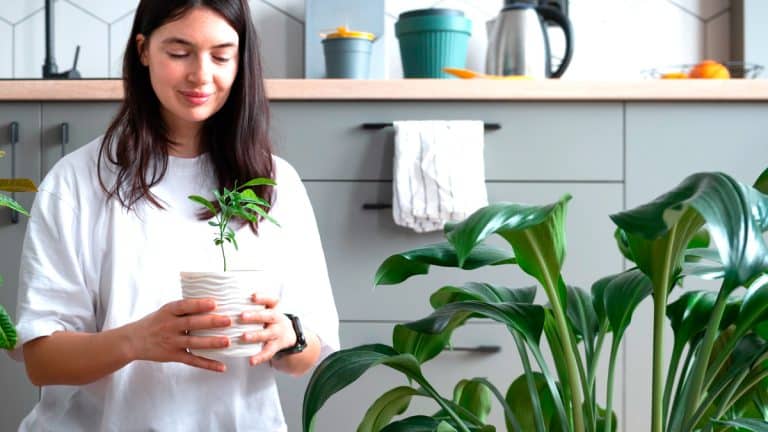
(737, 69)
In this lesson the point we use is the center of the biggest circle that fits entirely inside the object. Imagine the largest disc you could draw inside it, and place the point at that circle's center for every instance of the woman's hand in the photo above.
(277, 333)
(163, 336)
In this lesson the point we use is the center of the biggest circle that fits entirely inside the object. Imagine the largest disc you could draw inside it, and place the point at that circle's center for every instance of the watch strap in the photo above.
(301, 341)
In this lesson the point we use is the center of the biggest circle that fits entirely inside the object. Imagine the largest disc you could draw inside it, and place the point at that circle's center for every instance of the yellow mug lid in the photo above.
(344, 32)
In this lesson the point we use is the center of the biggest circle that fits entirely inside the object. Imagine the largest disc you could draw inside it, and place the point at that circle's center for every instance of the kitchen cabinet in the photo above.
(541, 152)
(67, 126)
(609, 155)
(666, 143)
(41, 143)
(22, 160)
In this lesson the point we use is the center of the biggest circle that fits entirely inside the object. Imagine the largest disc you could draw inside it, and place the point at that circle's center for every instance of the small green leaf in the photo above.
(519, 401)
(402, 266)
(6, 201)
(475, 397)
(258, 182)
(622, 296)
(387, 406)
(689, 314)
(761, 183)
(7, 330)
(204, 202)
(581, 313)
(424, 346)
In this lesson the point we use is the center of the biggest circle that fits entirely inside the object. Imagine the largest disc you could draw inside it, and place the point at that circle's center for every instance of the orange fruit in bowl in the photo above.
(709, 69)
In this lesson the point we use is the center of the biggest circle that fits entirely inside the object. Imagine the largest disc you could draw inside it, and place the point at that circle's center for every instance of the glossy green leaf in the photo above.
(622, 296)
(752, 425)
(423, 346)
(17, 185)
(419, 424)
(509, 415)
(581, 313)
(344, 367)
(519, 400)
(402, 266)
(482, 292)
(731, 210)
(689, 314)
(598, 297)
(7, 330)
(6, 201)
(528, 319)
(761, 183)
(386, 407)
(536, 233)
(475, 397)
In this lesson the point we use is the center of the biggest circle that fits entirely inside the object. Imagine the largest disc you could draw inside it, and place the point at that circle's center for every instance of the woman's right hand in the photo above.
(163, 336)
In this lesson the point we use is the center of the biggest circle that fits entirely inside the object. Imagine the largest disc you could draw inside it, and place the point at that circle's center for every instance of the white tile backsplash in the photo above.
(614, 39)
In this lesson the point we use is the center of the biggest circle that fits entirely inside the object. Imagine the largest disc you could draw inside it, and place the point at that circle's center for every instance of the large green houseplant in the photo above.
(7, 329)
(716, 380)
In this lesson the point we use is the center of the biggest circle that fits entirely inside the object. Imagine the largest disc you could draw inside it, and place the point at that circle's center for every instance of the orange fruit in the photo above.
(709, 69)
(674, 75)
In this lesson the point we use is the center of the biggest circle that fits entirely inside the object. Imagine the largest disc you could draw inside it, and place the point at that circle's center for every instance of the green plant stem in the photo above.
(702, 359)
(592, 374)
(710, 399)
(222, 227)
(674, 364)
(757, 379)
(676, 414)
(557, 398)
(615, 344)
(583, 377)
(570, 364)
(439, 399)
(659, 316)
(538, 415)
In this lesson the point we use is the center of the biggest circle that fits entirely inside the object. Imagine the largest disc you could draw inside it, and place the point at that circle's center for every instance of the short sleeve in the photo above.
(306, 287)
(52, 292)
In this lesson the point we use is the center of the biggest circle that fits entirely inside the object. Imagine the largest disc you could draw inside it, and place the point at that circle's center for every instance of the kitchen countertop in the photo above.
(427, 89)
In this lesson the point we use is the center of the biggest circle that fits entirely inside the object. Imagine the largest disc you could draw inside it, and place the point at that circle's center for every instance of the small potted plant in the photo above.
(231, 290)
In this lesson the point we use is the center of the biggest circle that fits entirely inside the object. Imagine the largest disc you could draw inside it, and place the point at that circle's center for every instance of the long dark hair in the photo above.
(236, 137)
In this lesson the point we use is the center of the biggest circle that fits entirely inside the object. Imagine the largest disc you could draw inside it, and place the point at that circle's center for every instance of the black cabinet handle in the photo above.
(374, 126)
(13, 136)
(376, 206)
(480, 349)
(64, 137)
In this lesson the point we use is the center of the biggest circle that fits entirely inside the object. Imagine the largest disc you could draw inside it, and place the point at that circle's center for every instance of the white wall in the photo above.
(614, 39)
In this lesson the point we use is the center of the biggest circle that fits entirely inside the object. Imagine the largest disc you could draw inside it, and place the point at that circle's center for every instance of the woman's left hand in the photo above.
(278, 331)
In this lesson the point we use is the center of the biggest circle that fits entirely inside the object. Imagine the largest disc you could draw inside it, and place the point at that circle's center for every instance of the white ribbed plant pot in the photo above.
(232, 291)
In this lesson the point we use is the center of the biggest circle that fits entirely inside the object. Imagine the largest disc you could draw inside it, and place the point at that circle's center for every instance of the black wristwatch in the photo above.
(301, 341)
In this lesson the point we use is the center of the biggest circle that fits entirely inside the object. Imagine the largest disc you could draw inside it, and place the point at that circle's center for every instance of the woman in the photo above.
(102, 327)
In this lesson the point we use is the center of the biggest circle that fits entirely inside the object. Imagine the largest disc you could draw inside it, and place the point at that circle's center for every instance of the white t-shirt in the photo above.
(89, 265)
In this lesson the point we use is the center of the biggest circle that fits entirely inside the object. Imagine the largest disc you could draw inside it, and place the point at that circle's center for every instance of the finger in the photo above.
(261, 336)
(202, 362)
(265, 316)
(202, 342)
(191, 306)
(201, 322)
(264, 299)
(267, 352)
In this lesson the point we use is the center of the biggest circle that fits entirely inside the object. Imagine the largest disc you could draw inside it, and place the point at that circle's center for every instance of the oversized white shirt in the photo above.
(89, 265)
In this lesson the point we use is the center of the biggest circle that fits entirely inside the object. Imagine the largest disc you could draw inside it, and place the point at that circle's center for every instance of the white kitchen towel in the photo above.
(439, 172)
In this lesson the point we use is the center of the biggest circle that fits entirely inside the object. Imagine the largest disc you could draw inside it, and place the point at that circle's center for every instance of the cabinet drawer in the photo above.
(537, 141)
(345, 409)
(85, 122)
(356, 241)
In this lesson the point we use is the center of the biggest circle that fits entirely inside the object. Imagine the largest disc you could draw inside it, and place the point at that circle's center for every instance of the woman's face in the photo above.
(192, 64)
